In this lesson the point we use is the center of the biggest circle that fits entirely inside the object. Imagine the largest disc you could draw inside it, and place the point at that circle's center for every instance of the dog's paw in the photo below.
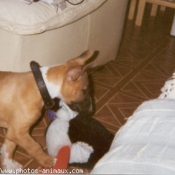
(80, 152)
(46, 161)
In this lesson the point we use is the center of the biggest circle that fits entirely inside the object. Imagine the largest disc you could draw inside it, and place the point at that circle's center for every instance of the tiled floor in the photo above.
(146, 59)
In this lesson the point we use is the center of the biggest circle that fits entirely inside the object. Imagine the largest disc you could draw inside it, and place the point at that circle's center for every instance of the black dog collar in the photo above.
(48, 102)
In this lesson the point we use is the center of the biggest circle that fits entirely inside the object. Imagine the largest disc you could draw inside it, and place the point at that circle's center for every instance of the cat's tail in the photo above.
(80, 152)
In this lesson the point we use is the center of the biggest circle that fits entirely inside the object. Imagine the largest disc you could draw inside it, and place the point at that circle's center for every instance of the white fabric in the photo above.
(57, 3)
(145, 144)
(168, 90)
(53, 1)
(24, 19)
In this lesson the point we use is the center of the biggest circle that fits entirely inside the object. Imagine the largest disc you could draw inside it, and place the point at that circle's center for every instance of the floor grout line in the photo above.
(100, 104)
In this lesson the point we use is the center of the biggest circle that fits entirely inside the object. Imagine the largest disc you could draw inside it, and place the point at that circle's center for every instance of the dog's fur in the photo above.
(21, 104)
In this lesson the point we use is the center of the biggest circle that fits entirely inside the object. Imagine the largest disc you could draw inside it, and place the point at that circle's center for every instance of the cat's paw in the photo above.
(80, 152)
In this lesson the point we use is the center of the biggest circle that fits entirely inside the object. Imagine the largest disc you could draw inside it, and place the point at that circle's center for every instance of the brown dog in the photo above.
(21, 103)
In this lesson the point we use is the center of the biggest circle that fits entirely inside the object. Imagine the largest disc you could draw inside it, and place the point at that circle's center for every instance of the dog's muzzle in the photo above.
(83, 107)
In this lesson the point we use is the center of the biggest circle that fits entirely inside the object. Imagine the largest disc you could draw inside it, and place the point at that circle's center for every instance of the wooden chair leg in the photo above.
(162, 8)
(154, 9)
(132, 9)
(140, 12)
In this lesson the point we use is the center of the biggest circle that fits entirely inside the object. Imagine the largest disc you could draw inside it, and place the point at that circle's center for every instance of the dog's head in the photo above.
(75, 85)
(76, 89)
(73, 80)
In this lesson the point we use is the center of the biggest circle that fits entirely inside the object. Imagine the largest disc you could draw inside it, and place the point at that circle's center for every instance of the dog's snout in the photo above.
(84, 107)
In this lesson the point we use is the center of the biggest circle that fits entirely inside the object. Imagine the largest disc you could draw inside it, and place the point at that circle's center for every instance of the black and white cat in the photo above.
(87, 129)
(88, 139)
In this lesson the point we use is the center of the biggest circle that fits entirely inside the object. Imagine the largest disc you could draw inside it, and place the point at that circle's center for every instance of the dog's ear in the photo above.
(80, 64)
(91, 62)
(74, 73)
(84, 59)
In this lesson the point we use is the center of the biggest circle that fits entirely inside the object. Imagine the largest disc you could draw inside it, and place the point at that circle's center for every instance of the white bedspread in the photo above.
(145, 144)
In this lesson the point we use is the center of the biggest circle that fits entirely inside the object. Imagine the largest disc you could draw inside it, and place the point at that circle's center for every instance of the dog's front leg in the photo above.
(24, 140)
(7, 151)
